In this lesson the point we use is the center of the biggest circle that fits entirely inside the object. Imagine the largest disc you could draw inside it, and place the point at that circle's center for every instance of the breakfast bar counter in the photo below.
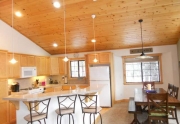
(20, 99)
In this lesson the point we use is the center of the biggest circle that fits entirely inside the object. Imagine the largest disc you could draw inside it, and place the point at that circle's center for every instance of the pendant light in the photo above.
(13, 60)
(65, 58)
(94, 40)
(142, 56)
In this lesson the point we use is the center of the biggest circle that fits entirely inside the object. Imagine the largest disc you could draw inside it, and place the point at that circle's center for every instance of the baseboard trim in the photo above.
(122, 100)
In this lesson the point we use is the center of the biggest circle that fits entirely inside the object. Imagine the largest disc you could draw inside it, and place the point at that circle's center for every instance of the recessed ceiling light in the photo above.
(56, 4)
(94, 0)
(18, 14)
(55, 45)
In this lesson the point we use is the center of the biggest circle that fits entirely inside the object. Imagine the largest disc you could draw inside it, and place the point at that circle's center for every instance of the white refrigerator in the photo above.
(100, 75)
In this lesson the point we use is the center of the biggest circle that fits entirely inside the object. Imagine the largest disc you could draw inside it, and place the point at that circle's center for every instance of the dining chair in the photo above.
(172, 109)
(89, 106)
(38, 111)
(66, 106)
(145, 85)
(170, 89)
(157, 108)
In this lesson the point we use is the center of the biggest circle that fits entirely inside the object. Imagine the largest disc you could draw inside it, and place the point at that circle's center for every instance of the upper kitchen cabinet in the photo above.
(62, 65)
(14, 69)
(103, 58)
(3, 64)
(42, 64)
(27, 61)
(54, 66)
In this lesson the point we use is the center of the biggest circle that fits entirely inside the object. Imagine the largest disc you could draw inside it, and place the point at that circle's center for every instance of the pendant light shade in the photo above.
(13, 60)
(94, 40)
(142, 56)
(65, 58)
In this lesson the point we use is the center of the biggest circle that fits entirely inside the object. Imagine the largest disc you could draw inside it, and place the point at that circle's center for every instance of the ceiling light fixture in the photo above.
(65, 58)
(18, 14)
(13, 60)
(142, 56)
(94, 40)
(55, 45)
(56, 4)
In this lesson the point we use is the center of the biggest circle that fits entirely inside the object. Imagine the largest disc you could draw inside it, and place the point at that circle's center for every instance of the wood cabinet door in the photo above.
(47, 66)
(91, 58)
(104, 58)
(54, 65)
(12, 113)
(4, 110)
(3, 64)
(62, 66)
(24, 62)
(31, 61)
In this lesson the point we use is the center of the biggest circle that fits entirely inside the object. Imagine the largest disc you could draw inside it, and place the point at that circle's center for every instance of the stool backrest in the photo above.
(88, 102)
(39, 107)
(67, 102)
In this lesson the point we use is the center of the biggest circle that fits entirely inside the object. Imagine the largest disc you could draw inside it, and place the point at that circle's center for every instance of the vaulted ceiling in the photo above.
(116, 23)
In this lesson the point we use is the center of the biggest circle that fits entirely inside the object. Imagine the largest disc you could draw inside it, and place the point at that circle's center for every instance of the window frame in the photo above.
(76, 59)
(159, 55)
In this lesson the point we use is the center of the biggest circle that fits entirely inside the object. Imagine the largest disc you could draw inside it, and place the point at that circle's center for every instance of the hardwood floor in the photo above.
(118, 114)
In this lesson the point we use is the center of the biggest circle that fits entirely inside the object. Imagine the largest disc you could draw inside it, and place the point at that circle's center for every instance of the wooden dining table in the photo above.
(140, 99)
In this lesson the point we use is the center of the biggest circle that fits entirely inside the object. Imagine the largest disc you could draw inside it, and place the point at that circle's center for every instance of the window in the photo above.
(77, 68)
(142, 70)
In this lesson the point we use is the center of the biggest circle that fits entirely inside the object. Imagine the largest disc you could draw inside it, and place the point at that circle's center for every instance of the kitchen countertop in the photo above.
(21, 96)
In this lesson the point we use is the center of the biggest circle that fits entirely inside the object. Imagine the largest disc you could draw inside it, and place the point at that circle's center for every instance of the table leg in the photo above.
(135, 121)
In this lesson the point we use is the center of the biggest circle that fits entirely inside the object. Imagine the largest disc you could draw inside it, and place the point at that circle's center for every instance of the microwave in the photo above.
(28, 72)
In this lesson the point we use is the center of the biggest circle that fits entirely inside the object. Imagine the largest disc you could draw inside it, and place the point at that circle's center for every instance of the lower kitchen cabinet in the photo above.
(4, 110)
(49, 89)
(12, 114)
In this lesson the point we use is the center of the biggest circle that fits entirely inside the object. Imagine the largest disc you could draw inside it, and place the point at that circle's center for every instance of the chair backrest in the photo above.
(66, 102)
(39, 107)
(88, 101)
(157, 103)
(170, 89)
(175, 92)
(145, 85)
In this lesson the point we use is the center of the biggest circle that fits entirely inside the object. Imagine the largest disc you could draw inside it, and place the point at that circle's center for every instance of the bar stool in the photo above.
(66, 106)
(89, 106)
(38, 110)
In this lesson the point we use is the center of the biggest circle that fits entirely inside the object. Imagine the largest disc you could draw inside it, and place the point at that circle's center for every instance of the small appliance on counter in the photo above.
(15, 87)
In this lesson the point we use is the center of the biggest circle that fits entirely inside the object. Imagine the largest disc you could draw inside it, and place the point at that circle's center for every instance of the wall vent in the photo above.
(146, 50)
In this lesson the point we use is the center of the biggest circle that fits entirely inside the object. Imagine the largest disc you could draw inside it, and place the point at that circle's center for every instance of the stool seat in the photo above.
(64, 111)
(92, 109)
(35, 117)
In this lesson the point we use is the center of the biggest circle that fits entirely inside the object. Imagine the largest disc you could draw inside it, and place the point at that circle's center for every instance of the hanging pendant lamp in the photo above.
(65, 58)
(143, 55)
(94, 40)
(13, 60)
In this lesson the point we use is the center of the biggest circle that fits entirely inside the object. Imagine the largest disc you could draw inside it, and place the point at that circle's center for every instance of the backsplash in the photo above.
(28, 82)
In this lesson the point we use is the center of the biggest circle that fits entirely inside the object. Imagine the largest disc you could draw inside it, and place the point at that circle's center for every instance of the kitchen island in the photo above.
(20, 99)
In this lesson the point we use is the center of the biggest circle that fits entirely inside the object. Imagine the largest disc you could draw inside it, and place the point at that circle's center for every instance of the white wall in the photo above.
(21, 43)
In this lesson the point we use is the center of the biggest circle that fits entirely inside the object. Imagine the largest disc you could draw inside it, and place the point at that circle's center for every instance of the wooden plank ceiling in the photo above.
(116, 23)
